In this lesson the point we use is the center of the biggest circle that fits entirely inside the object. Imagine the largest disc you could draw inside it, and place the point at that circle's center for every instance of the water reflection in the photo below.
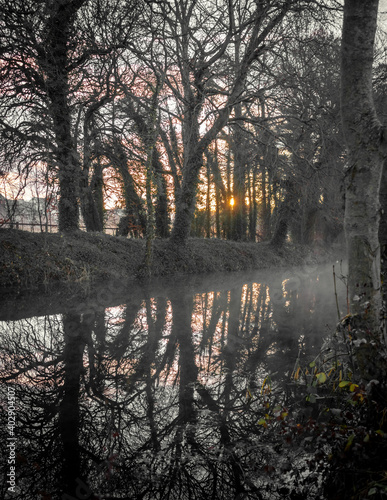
(160, 397)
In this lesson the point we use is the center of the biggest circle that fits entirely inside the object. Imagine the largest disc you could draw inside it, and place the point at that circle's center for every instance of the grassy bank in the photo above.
(29, 260)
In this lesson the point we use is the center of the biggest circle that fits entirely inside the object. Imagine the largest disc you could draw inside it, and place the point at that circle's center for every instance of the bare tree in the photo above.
(46, 47)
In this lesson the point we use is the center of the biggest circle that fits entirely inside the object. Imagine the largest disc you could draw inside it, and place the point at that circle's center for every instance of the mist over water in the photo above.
(159, 395)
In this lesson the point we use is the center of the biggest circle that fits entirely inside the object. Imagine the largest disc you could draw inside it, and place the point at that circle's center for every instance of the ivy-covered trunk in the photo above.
(150, 129)
(150, 142)
(185, 204)
(54, 63)
(162, 215)
(91, 210)
(135, 219)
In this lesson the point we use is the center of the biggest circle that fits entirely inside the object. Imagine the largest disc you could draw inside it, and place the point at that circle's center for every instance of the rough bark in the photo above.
(55, 64)
(364, 137)
(383, 245)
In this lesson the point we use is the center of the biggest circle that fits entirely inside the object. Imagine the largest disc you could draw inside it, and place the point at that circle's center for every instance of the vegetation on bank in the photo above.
(28, 260)
(335, 417)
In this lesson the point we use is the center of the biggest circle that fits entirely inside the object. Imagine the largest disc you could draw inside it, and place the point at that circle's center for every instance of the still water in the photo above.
(157, 392)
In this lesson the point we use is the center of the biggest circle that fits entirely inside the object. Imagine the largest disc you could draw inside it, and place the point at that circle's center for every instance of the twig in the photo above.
(337, 301)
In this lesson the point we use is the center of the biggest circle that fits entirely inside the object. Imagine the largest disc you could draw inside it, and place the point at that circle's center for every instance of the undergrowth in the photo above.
(330, 423)
(341, 419)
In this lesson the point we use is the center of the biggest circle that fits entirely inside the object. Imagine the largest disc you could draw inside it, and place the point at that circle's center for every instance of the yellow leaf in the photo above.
(349, 442)
(321, 377)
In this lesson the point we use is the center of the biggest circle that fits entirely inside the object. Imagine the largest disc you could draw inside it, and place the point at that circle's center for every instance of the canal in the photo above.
(179, 390)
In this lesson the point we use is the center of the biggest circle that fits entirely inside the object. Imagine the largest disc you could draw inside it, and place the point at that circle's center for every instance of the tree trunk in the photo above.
(135, 219)
(239, 188)
(208, 203)
(54, 63)
(265, 211)
(162, 216)
(364, 138)
(285, 214)
(185, 205)
(91, 189)
(281, 230)
(97, 190)
(383, 245)
(150, 142)
(253, 208)
(145, 129)
(239, 209)
(68, 166)
(90, 213)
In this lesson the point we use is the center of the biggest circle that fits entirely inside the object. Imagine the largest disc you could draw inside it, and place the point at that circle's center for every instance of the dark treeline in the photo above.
(216, 120)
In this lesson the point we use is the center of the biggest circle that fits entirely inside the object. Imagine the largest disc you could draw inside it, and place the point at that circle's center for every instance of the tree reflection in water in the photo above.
(161, 398)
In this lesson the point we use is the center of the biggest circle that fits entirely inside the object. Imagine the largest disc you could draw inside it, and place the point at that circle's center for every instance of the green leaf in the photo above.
(311, 398)
(312, 364)
(344, 383)
(321, 377)
(372, 491)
